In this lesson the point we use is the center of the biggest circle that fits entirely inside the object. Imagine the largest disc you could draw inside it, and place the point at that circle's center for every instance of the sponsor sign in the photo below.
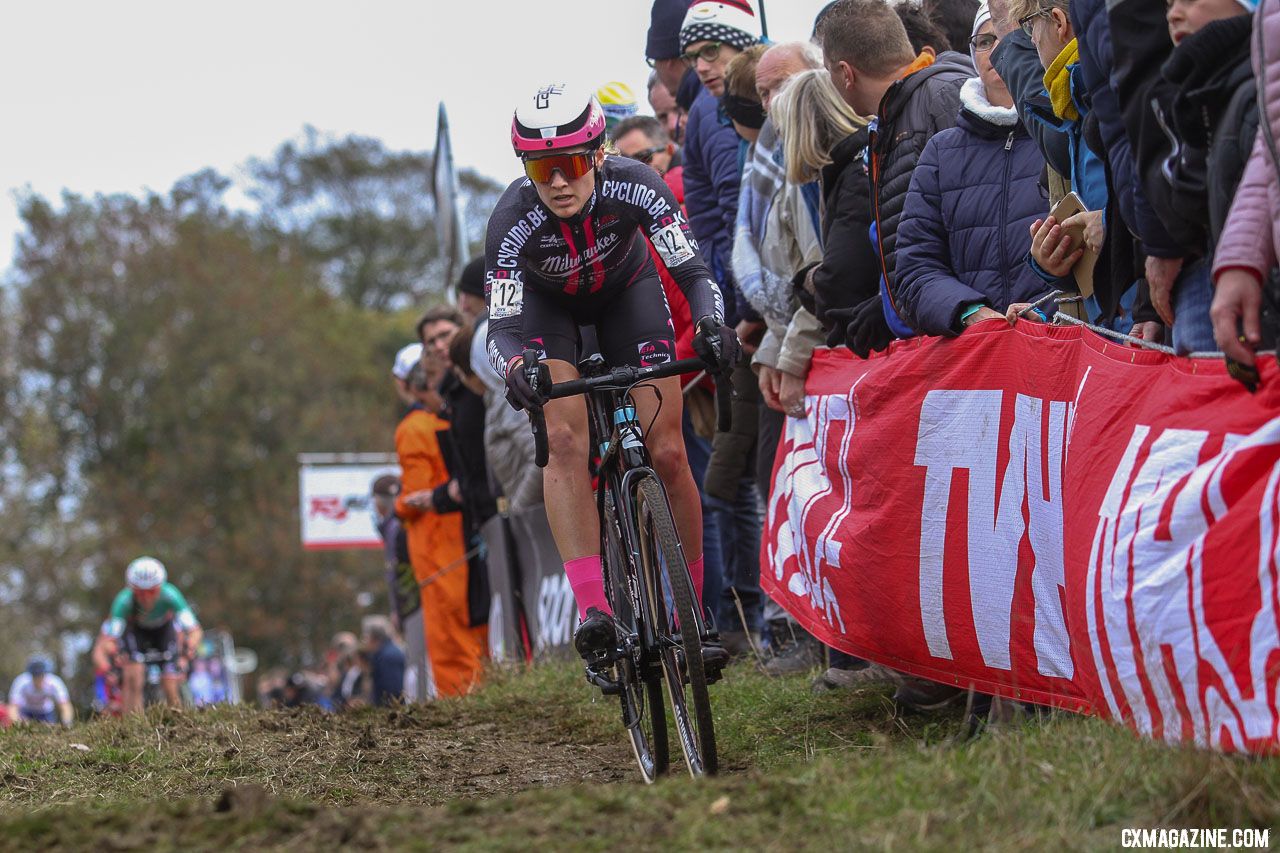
(1044, 515)
(336, 506)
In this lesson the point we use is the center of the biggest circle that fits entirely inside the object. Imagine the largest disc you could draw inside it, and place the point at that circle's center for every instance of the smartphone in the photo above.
(1067, 207)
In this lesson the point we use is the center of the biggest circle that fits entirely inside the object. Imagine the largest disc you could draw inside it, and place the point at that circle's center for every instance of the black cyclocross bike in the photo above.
(646, 577)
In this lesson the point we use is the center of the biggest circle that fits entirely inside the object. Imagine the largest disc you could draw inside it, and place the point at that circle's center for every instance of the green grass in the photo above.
(533, 761)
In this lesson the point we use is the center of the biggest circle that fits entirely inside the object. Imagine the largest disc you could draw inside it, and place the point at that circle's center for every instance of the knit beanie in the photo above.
(984, 15)
(733, 22)
(472, 279)
(664, 29)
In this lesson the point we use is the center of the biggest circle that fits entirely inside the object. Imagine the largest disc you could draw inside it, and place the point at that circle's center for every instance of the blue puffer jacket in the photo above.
(965, 230)
(712, 178)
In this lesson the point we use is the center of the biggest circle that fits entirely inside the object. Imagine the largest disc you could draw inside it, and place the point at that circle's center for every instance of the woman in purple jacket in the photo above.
(962, 243)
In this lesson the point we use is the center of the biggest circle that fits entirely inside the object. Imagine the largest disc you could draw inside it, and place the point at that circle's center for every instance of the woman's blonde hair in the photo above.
(740, 73)
(1019, 9)
(811, 117)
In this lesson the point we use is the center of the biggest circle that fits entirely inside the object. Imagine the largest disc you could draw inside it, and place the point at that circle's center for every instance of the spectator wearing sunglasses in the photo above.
(643, 138)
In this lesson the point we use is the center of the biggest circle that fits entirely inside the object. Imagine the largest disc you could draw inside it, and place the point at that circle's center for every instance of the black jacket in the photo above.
(911, 112)
(846, 298)
(1097, 71)
(1208, 111)
(1141, 33)
(464, 454)
(462, 446)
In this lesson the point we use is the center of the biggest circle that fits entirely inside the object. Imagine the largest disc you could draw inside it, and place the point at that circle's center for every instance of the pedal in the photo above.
(598, 658)
(608, 686)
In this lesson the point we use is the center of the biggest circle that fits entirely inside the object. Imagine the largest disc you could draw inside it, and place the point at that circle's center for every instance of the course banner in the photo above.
(335, 503)
(1044, 515)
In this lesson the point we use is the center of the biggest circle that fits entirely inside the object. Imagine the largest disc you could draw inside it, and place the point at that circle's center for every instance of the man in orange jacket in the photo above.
(428, 506)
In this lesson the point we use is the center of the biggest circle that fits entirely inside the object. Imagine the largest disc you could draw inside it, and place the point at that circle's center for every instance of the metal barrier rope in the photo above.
(456, 564)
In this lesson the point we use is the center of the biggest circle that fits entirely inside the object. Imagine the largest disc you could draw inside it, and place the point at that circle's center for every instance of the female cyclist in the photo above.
(565, 248)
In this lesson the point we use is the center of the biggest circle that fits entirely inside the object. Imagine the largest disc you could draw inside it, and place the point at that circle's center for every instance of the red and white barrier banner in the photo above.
(1044, 515)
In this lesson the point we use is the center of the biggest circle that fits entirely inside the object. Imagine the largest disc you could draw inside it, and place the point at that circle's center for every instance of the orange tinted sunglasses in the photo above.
(572, 166)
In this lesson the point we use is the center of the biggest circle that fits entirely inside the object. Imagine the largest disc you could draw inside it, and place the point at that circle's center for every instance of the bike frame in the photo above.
(640, 548)
(624, 463)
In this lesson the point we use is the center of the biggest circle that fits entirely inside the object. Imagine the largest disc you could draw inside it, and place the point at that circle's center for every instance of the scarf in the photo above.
(1057, 82)
(745, 111)
(762, 179)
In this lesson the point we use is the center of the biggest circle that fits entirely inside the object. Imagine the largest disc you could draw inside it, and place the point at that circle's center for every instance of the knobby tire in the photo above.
(660, 546)
(641, 699)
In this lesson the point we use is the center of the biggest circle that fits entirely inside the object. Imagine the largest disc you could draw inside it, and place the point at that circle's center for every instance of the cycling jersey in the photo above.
(38, 702)
(590, 257)
(138, 642)
(169, 605)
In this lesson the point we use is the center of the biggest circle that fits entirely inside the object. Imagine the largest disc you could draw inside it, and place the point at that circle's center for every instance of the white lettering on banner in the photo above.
(803, 483)
(497, 629)
(557, 612)
(1146, 568)
(961, 429)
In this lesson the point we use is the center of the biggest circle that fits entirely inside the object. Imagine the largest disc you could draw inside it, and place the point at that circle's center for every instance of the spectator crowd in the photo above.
(903, 170)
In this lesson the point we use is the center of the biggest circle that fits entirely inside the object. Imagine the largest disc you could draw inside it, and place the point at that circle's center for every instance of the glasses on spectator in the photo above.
(651, 62)
(709, 52)
(646, 156)
(1026, 21)
(984, 42)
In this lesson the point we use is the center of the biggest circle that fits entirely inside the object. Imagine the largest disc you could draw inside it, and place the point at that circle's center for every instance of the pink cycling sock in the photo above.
(696, 572)
(586, 578)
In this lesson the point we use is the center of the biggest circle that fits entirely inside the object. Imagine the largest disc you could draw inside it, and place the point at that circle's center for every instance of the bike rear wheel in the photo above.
(643, 713)
(663, 564)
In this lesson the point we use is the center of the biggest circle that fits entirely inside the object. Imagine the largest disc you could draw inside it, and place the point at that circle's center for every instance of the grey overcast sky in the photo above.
(128, 96)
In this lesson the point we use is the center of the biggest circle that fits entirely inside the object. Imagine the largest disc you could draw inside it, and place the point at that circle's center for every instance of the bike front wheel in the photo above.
(643, 713)
(680, 643)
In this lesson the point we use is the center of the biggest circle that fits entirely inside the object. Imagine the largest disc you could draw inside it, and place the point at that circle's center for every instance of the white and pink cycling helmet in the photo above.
(558, 115)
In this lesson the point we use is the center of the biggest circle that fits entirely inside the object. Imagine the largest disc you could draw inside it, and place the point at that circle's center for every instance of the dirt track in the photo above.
(424, 755)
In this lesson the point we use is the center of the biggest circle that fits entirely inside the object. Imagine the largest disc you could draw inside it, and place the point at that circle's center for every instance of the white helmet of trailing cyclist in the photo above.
(557, 115)
(146, 573)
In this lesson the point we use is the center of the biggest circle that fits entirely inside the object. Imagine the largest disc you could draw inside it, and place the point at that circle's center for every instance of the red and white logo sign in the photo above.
(1043, 515)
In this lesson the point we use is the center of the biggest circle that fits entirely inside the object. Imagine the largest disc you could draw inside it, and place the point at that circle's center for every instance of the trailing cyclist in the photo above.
(566, 248)
(39, 696)
(150, 615)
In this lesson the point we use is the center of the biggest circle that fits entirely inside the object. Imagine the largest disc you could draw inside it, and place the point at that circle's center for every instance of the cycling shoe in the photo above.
(714, 659)
(596, 639)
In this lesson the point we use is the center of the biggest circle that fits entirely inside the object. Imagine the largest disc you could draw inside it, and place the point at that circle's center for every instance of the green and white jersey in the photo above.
(169, 604)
